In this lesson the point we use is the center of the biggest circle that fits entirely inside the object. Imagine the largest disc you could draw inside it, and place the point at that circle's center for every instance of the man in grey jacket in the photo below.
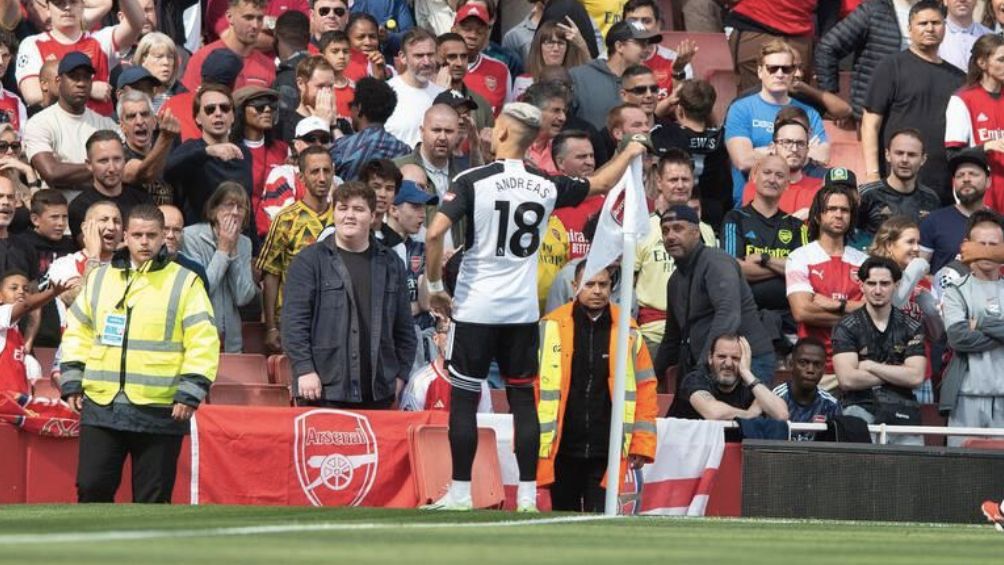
(598, 82)
(707, 298)
(346, 315)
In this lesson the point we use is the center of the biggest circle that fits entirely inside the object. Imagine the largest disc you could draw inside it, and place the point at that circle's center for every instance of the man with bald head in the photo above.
(760, 236)
(440, 134)
(174, 225)
(494, 305)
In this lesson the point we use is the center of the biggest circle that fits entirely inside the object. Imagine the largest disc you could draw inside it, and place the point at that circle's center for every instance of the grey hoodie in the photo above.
(597, 90)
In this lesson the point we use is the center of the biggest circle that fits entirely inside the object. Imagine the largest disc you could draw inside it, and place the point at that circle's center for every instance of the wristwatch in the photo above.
(753, 383)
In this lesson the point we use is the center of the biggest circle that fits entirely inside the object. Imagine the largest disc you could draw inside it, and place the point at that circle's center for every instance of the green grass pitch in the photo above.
(148, 535)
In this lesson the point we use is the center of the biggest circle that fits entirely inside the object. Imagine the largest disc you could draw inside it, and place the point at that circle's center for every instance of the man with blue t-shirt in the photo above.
(942, 231)
(749, 125)
(807, 403)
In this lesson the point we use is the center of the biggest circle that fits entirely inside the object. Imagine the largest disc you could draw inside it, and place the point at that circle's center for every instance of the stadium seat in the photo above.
(726, 88)
(500, 402)
(432, 466)
(280, 371)
(837, 134)
(929, 416)
(253, 334)
(45, 357)
(45, 387)
(980, 443)
(848, 155)
(242, 368)
(249, 394)
(713, 53)
(665, 401)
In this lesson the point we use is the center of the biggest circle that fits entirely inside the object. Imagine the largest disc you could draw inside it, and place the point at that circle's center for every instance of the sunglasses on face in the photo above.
(643, 88)
(210, 109)
(14, 146)
(316, 138)
(785, 69)
(339, 11)
(263, 104)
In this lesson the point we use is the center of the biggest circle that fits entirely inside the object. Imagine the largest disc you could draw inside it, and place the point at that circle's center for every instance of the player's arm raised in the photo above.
(604, 179)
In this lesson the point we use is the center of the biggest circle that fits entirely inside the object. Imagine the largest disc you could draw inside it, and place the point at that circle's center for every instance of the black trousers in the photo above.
(371, 405)
(577, 484)
(103, 452)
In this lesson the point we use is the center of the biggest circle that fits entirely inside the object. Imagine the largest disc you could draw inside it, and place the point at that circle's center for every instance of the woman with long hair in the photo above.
(975, 114)
(219, 244)
(554, 44)
(898, 238)
(157, 53)
(255, 118)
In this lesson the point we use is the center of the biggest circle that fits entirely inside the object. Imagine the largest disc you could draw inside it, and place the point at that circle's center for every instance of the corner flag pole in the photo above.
(614, 448)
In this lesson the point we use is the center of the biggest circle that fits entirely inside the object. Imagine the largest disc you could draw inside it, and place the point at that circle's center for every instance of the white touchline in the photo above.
(132, 535)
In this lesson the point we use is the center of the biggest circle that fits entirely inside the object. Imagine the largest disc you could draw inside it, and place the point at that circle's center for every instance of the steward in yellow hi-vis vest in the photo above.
(578, 346)
(138, 356)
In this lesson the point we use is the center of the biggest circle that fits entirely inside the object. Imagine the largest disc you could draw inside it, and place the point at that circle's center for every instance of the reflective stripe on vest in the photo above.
(550, 386)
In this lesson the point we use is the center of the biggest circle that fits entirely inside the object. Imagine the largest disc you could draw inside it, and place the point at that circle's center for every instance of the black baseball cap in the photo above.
(222, 66)
(680, 213)
(841, 176)
(974, 155)
(625, 30)
(74, 60)
(456, 99)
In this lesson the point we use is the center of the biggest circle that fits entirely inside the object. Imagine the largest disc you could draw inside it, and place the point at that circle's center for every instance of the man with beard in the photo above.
(901, 192)
(315, 80)
(106, 161)
(198, 166)
(807, 403)
(440, 134)
(454, 58)
(100, 237)
(52, 137)
(791, 143)
(246, 19)
(709, 298)
(295, 227)
(821, 277)
(415, 88)
(552, 99)
(878, 354)
(726, 388)
(942, 231)
(325, 16)
(146, 158)
(914, 90)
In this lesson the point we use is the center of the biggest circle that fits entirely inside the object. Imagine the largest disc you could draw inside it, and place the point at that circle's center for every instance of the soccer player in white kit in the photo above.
(494, 308)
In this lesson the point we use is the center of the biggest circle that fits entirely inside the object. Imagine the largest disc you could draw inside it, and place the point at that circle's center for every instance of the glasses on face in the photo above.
(12, 147)
(641, 89)
(792, 143)
(554, 43)
(262, 104)
(210, 109)
(785, 69)
(316, 139)
(232, 205)
(338, 10)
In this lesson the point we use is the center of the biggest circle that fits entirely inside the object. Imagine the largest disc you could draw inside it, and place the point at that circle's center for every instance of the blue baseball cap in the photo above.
(74, 60)
(222, 66)
(411, 193)
(131, 75)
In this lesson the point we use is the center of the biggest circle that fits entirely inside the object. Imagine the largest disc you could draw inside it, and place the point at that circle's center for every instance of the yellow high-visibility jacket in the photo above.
(640, 399)
(148, 332)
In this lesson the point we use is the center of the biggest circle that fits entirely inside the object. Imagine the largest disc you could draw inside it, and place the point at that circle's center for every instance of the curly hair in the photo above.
(374, 99)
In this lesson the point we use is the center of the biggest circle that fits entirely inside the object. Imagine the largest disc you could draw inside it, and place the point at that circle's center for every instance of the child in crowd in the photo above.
(15, 302)
(335, 50)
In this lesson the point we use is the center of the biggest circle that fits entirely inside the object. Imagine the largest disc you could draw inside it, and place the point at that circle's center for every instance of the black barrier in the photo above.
(868, 482)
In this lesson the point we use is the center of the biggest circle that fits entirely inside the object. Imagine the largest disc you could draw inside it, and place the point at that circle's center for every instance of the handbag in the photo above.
(893, 408)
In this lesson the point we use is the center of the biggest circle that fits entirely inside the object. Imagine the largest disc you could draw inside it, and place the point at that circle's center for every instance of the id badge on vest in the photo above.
(113, 333)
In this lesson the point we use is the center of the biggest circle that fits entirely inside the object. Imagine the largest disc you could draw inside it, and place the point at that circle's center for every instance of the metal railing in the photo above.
(883, 430)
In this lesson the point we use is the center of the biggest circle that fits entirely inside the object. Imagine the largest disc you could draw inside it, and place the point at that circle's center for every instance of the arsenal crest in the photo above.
(335, 455)
(784, 236)
(491, 83)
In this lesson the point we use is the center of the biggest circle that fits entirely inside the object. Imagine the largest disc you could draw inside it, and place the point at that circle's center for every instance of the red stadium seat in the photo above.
(664, 400)
(979, 443)
(848, 155)
(500, 402)
(431, 466)
(45, 387)
(726, 87)
(837, 134)
(242, 368)
(713, 53)
(45, 357)
(249, 395)
(253, 334)
(280, 371)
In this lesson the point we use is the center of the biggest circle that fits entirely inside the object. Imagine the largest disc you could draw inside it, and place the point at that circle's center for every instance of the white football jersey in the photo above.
(507, 206)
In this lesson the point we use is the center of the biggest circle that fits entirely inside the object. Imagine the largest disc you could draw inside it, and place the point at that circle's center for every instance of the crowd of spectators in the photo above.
(298, 153)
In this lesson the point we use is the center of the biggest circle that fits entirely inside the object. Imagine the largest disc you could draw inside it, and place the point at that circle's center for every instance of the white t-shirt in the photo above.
(62, 133)
(410, 110)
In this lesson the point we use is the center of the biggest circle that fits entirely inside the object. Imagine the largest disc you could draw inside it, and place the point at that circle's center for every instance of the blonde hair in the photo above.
(157, 39)
(775, 46)
(888, 233)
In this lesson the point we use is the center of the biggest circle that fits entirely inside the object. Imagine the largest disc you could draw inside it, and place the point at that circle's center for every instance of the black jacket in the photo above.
(871, 33)
(585, 430)
(707, 297)
(320, 329)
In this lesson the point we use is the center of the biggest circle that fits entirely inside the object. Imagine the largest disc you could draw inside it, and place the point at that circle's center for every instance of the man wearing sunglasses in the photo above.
(325, 16)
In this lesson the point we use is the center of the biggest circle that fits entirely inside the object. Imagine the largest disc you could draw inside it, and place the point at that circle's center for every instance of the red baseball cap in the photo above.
(472, 10)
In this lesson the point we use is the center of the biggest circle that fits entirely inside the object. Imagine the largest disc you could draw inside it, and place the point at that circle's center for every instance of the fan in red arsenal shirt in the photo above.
(487, 76)
(246, 19)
